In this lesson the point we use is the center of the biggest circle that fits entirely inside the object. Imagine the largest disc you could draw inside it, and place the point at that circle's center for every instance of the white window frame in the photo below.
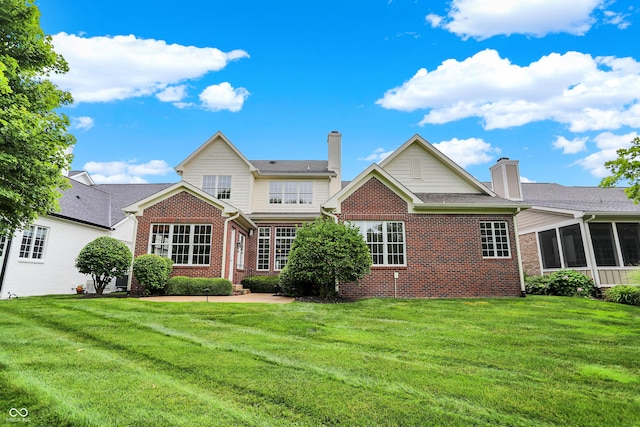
(493, 238)
(33, 243)
(263, 252)
(290, 192)
(173, 239)
(283, 239)
(391, 246)
(218, 186)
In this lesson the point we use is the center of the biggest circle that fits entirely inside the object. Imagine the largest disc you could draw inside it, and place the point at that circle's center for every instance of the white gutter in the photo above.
(329, 214)
(523, 289)
(224, 243)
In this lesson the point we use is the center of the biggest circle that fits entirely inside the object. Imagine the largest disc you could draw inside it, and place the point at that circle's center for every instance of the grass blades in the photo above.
(538, 361)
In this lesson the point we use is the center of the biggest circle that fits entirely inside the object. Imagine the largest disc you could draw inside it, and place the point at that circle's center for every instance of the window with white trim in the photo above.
(283, 239)
(33, 242)
(264, 247)
(386, 241)
(290, 192)
(217, 185)
(495, 239)
(185, 244)
(240, 258)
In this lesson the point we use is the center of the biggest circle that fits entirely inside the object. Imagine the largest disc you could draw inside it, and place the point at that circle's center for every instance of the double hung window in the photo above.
(33, 242)
(217, 185)
(386, 241)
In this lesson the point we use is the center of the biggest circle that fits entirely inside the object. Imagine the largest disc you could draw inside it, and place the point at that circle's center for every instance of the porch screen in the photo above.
(604, 246)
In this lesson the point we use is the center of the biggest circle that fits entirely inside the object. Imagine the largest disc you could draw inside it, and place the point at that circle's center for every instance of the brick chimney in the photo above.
(334, 140)
(505, 179)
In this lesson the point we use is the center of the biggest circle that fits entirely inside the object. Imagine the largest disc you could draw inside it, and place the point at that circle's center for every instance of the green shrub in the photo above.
(536, 285)
(294, 287)
(181, 285)
(568, 283)
(623, 294)
(104, 258)
(152, 271)
(262, 284)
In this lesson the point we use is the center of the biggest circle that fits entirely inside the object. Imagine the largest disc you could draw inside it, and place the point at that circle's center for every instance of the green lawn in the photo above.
(537, 361)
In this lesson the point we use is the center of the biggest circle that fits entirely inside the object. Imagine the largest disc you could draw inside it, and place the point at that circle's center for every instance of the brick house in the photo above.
(432, 228)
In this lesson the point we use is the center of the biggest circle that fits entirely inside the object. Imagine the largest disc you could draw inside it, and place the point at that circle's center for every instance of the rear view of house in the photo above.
(432, 228)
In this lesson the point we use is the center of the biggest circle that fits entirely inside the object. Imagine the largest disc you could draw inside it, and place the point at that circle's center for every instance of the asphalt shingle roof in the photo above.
(465, 199)
(103, 204)
(583, 199)
(292, 166)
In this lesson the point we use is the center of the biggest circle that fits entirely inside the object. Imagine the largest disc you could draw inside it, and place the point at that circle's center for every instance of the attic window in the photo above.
(217, 185)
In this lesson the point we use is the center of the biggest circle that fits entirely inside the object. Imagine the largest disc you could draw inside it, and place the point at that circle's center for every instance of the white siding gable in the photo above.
(218, 158)
(421, 172)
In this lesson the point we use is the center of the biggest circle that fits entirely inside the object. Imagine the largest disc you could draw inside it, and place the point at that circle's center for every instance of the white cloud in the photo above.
(526, 180)
(467, 152)
(223, 97)
(575, 89)
(82, 123)
(112, 68)
(378, 155)
(573, 146)
(172, 93)
(482, 19)
(125, 172)
(608, 144)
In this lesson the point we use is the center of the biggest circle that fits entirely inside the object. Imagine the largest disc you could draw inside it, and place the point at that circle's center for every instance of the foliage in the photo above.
(633, 277)
(181, 285)
(623, 294)
(568, 283)
(152, 271)
(33, 136)
(104, 258)
(626, 167)
(536, 361)
(262, 284)
(323, 255)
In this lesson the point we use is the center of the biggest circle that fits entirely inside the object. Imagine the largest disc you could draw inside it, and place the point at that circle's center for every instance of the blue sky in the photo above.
(554, 84)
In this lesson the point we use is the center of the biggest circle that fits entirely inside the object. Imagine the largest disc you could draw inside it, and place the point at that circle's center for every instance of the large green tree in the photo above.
(34, 140)
(626, 167)
(323, 255)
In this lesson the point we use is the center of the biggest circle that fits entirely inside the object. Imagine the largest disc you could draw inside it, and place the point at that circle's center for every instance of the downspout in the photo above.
(133, 247)
(5, 261)
(594, 269)
(523, 290)
(224, 243)
(329, 214)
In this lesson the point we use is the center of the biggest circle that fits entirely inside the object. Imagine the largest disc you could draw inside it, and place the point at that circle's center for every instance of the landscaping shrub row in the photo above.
(623, 294)
(567, 283)
(262, 284)
(181, 285)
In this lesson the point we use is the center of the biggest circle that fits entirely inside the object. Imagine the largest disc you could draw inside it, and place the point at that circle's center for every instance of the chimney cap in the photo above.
(334, 131)
(503, 158)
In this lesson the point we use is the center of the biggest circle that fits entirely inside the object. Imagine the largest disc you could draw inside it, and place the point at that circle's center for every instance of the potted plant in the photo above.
(79, 289)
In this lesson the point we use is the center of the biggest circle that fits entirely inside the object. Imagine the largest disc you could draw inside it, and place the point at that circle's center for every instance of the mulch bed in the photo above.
(324, 300)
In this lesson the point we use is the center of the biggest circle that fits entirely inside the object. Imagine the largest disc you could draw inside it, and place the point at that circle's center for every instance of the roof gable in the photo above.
(217, 138)
(383, 176)
(424, 169)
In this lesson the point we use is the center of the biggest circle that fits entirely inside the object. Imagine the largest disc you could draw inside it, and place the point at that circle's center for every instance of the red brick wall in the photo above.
(183, 208)
(529, 250)
(444, 253)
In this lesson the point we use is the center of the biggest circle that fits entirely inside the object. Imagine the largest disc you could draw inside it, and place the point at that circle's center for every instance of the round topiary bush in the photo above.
(152, 271)
(104, 258)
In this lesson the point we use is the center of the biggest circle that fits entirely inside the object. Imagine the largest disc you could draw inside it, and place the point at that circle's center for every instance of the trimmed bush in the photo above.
(104, 258)
(262, 284)
(152, 271)
(623, 294)
(181, 285)
(567, 283)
